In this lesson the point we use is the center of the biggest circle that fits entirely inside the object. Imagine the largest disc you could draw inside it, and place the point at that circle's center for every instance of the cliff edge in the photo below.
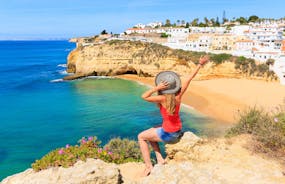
(143, 59)
(191, 160)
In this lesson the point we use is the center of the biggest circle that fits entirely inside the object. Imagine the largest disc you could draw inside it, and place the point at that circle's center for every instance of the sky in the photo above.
(63, 19)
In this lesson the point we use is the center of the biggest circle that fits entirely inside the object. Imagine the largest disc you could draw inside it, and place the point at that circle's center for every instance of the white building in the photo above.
(144, 30)
(268, 37)
(201, 44)
(263, 56)
(218, 30)
(239, 30)
(279, 68)
(154, 24)
(244, 48)
(177, 31)
(139, 25)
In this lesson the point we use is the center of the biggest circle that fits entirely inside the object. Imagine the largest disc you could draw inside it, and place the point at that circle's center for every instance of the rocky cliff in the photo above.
(144, 59)
(191, 160)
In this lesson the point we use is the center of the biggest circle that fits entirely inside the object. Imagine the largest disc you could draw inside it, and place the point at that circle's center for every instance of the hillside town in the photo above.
(259, 40)
(263, 40)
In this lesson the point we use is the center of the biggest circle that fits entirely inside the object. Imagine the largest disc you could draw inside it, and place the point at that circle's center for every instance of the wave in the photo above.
(62, 65)
(56, 80)
(62, 72)
(187, 106)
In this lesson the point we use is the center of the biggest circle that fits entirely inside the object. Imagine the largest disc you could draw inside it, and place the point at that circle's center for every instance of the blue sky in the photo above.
(45, 19)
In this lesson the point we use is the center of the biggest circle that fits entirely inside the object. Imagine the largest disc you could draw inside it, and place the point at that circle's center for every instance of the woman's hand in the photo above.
(162, 86)
(203, 59)
(157, 98)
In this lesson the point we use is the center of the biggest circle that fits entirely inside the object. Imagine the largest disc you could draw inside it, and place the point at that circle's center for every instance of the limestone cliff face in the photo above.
(143, 59)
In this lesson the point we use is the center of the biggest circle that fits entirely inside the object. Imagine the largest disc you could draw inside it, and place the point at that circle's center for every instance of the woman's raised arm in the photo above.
(186, 83)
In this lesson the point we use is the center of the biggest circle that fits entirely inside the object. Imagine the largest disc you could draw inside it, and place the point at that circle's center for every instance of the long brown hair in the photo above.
(170, 103)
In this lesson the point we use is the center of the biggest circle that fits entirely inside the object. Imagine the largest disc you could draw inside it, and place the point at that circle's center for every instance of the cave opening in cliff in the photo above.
(134, 72)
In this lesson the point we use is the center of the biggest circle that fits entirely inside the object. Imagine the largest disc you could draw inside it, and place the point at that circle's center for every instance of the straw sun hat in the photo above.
(171, 78)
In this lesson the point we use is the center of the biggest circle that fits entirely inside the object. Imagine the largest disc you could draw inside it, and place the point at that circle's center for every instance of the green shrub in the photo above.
(220, 58)
(268, 128)
(164, 35)
(262, 69)
(127, 149)
(90, 148)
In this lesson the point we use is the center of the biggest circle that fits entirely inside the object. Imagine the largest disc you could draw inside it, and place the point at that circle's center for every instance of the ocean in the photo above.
(40, 112)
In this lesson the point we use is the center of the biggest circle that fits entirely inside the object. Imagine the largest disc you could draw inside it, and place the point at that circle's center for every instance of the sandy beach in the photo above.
(221, 99)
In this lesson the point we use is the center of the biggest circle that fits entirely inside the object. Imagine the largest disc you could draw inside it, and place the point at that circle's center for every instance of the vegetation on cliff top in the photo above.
(116, 151)
(268, 128)
(245, 66)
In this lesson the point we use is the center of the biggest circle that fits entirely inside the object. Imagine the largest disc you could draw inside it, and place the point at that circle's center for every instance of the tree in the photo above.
(183, 22)
(253, 18)
(225, 20)
(242, 20)
(164, 35)
(212, 21)
(195, 22)
(206, 20)
(104, 32)
(167, 23)
(217, 22)
(178, 22)
(201, 24)
(270, 61)
(187, 25)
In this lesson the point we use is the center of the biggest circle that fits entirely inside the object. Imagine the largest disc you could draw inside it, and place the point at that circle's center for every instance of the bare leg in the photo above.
(143, 137)
(157, 151)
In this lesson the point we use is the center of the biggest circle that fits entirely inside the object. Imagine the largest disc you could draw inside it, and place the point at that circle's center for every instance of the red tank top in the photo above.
(171, 123)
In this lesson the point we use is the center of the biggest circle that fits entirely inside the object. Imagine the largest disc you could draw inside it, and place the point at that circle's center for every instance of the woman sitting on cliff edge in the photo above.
(170, 91)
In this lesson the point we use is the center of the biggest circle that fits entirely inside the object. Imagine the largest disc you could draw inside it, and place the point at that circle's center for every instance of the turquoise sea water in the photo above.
(39, 113)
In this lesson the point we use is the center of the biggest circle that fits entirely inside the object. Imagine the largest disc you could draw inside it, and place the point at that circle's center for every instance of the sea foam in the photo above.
(62, 72)
(56, 80)
(62, 65)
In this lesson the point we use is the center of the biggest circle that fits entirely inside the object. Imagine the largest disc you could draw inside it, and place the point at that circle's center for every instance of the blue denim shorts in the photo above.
(168, 137)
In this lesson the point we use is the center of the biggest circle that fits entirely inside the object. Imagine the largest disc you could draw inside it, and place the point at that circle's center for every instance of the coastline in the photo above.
(222, 99)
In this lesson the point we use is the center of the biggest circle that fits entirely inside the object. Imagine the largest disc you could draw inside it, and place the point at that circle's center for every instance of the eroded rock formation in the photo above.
(144, 59)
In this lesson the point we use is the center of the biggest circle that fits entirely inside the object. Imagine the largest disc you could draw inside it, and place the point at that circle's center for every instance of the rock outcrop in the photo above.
(190, 161)
(221, 161)
(90, 172)
(144, 59)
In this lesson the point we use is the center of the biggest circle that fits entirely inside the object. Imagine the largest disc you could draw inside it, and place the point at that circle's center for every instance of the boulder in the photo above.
(90, 172)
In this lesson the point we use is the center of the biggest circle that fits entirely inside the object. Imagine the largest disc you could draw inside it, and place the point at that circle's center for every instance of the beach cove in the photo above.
(222, 99)
(40, 112)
